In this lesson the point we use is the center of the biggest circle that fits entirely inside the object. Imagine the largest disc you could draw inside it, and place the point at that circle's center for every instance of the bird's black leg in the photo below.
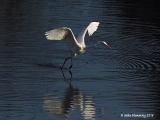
(64, 76)
(65, 62)
(71, 57)
(66, 59)
(70, 63)
(70, 74)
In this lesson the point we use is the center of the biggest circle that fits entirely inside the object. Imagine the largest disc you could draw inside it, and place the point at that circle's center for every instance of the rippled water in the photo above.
(105, 82)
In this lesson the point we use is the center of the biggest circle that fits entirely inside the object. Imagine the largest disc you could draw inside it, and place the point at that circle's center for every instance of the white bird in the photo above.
(65, 33)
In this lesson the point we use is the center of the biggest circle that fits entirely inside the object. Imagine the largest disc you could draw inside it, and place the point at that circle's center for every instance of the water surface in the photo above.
(105, 82)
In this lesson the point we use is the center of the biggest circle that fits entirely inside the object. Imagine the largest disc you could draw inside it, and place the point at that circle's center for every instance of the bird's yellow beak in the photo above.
(106, 44)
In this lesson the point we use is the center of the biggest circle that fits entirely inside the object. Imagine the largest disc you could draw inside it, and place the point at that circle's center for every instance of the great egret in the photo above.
(78, 44)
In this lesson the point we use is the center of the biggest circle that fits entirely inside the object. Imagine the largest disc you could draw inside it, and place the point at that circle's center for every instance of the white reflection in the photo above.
(52, 105)
(87, 108)
(73, 100)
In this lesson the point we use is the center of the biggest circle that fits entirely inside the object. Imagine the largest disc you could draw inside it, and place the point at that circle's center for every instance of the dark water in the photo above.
(105, 82)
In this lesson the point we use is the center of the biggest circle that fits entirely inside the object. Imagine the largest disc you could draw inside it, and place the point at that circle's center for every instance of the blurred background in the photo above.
(105, 82)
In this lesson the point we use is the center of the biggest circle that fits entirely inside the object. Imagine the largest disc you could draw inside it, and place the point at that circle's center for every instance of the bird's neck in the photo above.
(81, 41)
(83, 45)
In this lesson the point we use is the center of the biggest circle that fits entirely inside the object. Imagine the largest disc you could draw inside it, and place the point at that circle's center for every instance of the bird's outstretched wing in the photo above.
(91, 28)
(60, 34)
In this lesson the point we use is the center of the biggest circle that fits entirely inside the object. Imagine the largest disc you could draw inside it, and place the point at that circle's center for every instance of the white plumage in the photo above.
(93, 26)
(59, 33)
(65, 33)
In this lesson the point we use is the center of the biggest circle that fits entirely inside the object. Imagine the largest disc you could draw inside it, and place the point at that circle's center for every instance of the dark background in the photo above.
(106, 82)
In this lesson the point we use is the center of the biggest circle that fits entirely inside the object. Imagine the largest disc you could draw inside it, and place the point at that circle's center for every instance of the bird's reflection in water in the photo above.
(73, 99)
